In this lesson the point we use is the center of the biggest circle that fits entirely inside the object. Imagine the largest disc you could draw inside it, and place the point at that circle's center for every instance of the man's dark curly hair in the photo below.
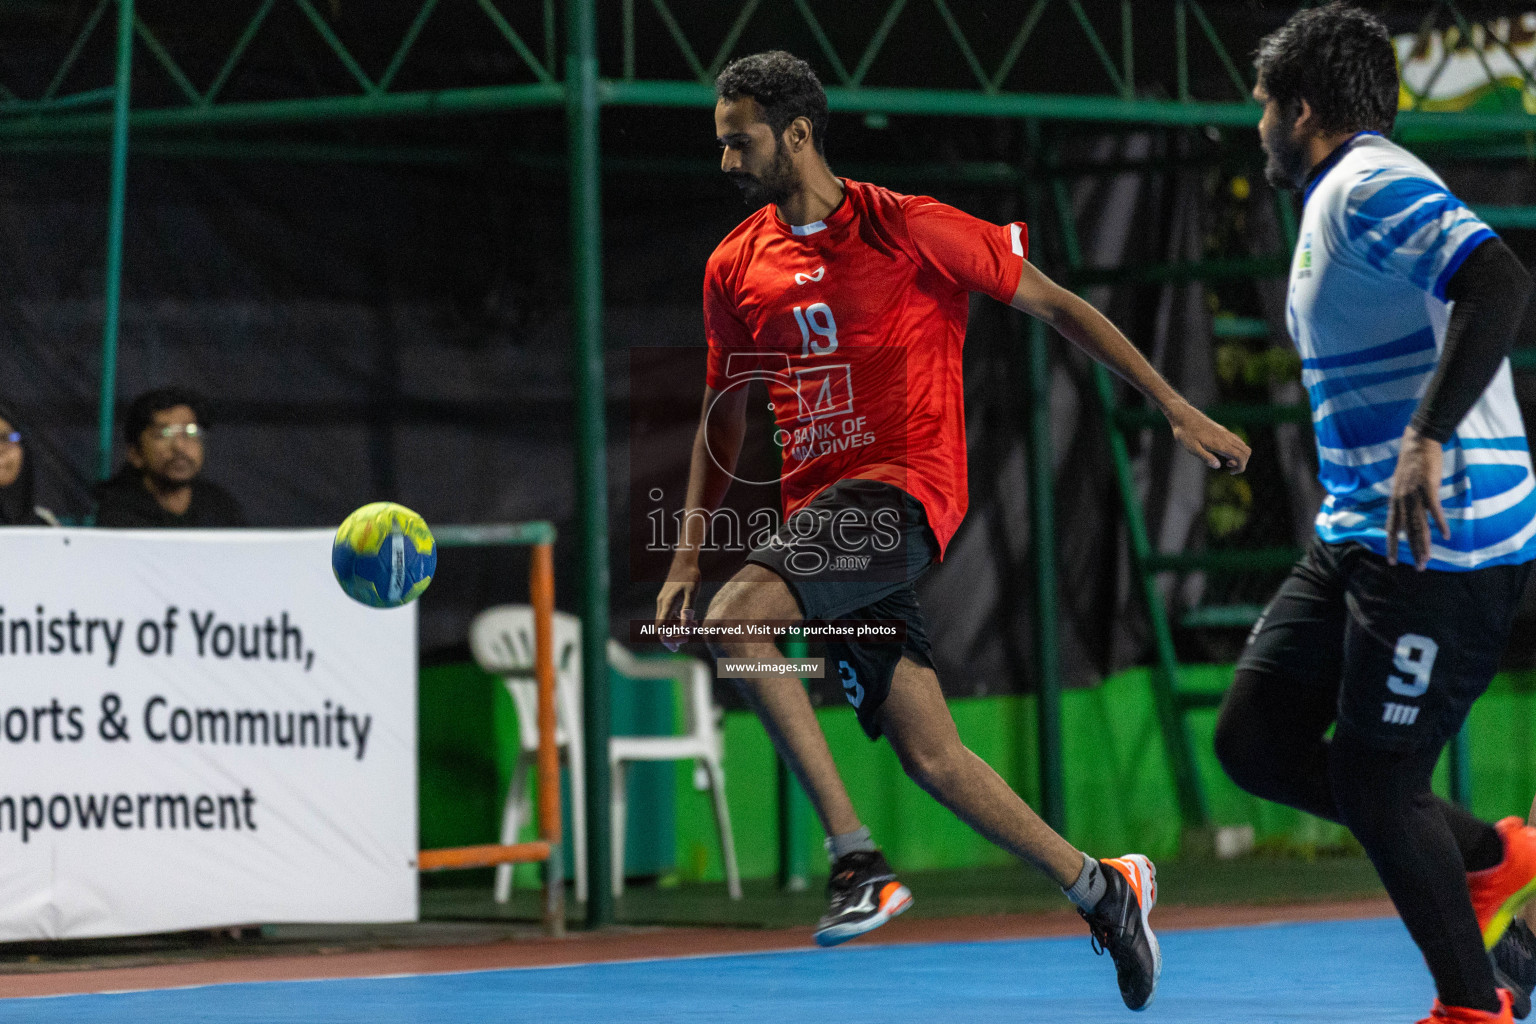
(1340, 60)
(141, 414)
(784, 86)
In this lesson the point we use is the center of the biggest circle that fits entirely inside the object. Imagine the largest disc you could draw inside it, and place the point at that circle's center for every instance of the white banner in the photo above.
(198, 729)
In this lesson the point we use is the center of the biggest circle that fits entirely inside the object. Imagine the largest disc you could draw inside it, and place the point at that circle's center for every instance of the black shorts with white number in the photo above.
(1407, 652)
(854, 552)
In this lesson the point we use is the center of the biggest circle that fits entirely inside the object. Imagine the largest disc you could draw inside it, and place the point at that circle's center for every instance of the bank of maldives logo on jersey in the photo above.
(1304, 257)
(824, 391)
(820, 391)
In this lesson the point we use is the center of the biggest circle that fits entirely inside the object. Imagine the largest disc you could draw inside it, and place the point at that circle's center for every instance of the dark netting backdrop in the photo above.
(396, 326)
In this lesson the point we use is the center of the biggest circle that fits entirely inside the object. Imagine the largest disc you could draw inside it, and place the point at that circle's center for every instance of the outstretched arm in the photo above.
(716, 446)
(1092, 332)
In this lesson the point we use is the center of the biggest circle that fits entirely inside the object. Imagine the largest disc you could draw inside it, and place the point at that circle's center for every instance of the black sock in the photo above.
(1480, 844)
(1385, 799)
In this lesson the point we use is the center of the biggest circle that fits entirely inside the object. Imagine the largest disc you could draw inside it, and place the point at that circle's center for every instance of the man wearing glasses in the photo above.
(160, 485)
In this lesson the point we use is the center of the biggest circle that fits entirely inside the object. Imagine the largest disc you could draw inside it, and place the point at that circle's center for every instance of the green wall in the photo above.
(1119, 796)
(468, 743)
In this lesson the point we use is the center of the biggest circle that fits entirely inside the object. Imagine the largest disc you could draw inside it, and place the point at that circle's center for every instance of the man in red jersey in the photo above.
(850, 303)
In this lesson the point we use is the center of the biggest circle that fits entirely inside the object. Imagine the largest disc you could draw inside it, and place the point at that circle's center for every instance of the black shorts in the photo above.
(854, 552)
(1405, 652)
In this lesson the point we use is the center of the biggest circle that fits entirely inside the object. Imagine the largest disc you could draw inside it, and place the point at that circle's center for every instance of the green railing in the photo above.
(684, 50)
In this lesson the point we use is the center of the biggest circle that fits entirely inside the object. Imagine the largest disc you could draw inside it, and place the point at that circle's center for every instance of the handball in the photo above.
(384, 555)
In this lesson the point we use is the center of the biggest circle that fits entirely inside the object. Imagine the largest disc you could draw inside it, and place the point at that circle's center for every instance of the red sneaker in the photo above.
(1442, 1014)
(1498, 892)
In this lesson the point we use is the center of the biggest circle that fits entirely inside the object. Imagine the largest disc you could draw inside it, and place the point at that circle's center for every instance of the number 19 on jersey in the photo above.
(816, 319)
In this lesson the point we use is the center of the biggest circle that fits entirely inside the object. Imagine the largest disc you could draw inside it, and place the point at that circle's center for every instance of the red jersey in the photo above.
(855, 324)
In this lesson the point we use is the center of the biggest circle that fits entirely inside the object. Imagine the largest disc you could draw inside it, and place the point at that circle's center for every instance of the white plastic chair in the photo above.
(501, 639)
(700, 743)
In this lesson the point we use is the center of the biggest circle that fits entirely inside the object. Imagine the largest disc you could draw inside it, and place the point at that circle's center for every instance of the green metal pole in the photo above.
(1285, 210)
(1042, 495)
(794, 813)
(1042, 492)
(794, 807)
(1414, 128)
(581, 115)
(315, 110)
(1460, 754)
(119, 197)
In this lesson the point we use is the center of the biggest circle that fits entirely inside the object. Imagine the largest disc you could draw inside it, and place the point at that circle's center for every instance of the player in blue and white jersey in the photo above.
(1404, 306)
(1381, 240)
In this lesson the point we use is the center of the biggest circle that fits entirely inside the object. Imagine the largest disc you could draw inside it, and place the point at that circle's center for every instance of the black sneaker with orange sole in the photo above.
(1120, 927)
(864, 894)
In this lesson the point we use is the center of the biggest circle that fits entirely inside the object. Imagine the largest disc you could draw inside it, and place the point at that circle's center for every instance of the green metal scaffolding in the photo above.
(205, 121)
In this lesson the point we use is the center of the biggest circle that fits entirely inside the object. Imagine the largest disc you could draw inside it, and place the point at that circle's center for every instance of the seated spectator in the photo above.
(160, 485)
(16, 478)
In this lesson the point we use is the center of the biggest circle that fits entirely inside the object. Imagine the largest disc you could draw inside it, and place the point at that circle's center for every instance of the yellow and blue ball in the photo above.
(384, 555)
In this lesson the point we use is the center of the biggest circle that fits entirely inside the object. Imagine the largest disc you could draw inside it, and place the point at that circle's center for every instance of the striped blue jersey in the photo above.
(1380, 236)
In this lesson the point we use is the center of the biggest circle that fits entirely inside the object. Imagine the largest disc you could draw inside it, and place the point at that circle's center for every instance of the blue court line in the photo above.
(1362, 972)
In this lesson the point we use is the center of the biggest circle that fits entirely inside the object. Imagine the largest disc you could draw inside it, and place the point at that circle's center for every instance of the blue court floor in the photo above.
(1359, 972)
